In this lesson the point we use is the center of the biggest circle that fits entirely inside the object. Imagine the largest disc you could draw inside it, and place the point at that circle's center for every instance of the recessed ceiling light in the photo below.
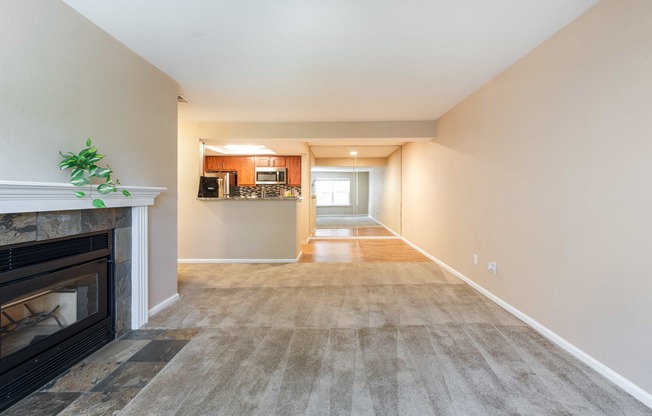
(353, 153)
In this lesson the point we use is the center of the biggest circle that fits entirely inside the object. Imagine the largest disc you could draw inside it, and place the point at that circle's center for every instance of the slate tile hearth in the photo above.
(106, 381)
(42, 404)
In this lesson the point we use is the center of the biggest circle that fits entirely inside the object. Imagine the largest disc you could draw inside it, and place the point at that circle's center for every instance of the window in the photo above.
(333, 192)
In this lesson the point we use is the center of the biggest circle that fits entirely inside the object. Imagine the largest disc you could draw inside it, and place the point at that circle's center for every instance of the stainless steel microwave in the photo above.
(271, 176)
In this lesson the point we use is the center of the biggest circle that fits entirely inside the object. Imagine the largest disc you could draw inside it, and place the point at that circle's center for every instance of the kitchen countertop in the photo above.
(241, 198)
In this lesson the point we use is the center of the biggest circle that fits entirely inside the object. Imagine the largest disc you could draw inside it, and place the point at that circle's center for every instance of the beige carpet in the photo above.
(360, 339)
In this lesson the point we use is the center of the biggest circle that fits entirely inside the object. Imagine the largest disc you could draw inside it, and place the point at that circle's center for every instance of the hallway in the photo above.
(350, 226)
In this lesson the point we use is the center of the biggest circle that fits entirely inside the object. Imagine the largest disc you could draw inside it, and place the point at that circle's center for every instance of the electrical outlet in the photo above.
(491, 266)
(475, 258)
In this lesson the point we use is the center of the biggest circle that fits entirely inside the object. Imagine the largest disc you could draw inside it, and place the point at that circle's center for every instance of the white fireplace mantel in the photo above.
(21, 197)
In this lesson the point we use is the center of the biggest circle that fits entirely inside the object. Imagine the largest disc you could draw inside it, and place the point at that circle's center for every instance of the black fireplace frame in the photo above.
(27, 266)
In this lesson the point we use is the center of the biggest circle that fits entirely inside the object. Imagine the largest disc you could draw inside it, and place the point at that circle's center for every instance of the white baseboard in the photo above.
(631, 388)
(349, 237)
(199, 261)
(341, 215)
(389, 229)
(167, 302)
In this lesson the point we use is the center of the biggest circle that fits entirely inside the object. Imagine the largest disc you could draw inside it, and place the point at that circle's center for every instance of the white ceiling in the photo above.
(329, 60)
(345, 151)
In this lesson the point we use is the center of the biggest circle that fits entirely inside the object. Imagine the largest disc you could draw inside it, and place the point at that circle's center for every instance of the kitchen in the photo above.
(252, 200)
(274, 229)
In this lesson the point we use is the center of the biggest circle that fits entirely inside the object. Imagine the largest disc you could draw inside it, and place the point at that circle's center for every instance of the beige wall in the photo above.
(547, 170)
(321, 130)
(350, 162)
(62, 79)
(385, 193)
(211, 230)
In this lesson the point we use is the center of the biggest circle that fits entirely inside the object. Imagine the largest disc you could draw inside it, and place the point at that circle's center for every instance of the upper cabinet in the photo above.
(246, 171)
(294, 170)
(271, 161)
(245, 166)
(220, 163)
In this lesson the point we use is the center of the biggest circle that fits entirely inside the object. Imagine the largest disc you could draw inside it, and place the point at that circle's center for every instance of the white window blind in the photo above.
(333, 192)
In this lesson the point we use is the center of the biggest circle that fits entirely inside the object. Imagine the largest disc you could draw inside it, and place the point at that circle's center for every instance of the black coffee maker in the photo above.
(208, 187)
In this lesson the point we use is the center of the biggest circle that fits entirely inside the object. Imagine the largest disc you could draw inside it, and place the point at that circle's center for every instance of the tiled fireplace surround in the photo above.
(41, 226)
(38, 211)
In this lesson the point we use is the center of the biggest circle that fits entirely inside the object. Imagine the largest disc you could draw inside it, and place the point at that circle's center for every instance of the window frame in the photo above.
(332, 193)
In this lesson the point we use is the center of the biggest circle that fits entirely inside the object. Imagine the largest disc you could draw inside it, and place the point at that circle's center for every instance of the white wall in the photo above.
(62, 79)
(547, 170)
(385, 193)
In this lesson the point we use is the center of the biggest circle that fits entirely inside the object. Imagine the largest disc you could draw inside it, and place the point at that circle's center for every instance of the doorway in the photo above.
(357, 196)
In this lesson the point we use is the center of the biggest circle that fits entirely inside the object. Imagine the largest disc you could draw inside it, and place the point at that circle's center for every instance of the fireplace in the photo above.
(34, 213)
(56, 308)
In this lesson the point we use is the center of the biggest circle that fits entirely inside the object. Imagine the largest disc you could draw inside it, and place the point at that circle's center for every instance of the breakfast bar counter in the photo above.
(246, 229)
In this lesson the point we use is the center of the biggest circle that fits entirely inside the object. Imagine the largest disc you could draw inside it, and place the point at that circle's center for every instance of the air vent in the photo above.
(26, 255)
(182, 99)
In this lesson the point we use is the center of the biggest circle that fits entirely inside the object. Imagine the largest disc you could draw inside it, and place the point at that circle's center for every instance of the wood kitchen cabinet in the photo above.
(271, 161)
(246, 167)
(220, 163)
(211, 164)
(243, 165)
(246, 170)
(229, 162)
(293, 164)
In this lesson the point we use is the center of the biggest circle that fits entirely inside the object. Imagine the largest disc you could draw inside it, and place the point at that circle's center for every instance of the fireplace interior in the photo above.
(56, 308)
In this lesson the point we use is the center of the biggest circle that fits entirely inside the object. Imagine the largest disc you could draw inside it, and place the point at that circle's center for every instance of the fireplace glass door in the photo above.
(32, 317)
(55, 308)
(43, 308)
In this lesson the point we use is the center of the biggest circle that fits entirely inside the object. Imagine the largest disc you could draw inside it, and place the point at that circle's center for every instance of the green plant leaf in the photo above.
(98, 203)
(85, 169)
(105, 188)
(77, 173)
(66, 164)
(102, 172)
(79, 181)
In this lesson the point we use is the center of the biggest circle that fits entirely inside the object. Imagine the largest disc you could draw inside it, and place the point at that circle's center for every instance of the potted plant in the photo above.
(86, 172)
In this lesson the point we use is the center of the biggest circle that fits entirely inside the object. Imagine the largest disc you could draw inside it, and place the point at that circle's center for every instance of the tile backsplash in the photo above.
(270, 190)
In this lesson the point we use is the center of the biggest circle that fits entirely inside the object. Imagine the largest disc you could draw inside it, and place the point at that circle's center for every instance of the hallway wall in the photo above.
(546, 170)
(385, 193)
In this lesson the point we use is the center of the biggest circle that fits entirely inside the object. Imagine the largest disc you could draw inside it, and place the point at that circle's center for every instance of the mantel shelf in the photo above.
(20, 196)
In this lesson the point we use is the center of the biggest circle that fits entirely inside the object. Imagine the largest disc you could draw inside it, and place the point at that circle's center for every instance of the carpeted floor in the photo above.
(360, 339)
